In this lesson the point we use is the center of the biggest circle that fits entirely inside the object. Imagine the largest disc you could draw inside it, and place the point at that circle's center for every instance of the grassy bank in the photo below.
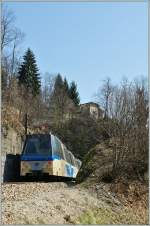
(107, 216)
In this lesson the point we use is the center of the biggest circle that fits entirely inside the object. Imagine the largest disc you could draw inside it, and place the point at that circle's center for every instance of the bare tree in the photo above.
(126, 125)
(18, 38)
(104, 96)
(47, 88)
(7, 35)
(11, 37)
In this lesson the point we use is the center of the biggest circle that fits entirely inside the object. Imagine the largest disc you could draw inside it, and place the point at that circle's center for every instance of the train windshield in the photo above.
(38, 145)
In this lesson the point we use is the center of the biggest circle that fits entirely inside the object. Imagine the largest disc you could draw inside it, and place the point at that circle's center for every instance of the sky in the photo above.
(86, 42)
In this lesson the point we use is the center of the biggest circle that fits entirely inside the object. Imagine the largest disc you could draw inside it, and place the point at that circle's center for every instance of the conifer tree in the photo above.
(59, 101)
(66, 86)
(29, 73)
(73, 93)
(58, 83)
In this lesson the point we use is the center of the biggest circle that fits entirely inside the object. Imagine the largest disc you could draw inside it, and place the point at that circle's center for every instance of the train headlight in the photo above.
(48, 167)
(25, 167)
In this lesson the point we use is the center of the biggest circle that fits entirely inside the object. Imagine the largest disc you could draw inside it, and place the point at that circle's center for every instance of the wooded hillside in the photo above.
(54, 105)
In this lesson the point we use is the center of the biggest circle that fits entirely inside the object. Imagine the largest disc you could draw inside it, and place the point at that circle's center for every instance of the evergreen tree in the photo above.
(73, 93)
(58, 83)
(66, 86)
(28, 73)
(60, 102)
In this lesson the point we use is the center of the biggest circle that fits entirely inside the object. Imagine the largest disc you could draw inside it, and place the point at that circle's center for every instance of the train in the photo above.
(46, 155)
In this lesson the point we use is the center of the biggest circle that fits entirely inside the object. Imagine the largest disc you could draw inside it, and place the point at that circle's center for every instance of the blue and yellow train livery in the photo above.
(45, 154)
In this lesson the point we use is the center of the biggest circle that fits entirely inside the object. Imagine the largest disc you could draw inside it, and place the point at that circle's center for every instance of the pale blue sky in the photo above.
(86, 41)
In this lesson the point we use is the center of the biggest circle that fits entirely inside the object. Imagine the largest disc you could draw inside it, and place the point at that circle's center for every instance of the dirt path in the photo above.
(44, 203)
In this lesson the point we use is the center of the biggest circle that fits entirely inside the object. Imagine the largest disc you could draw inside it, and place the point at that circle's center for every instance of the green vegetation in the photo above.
(107, 216)
(73, 93)
(58, 84)
(66, 86)
(61, 86)
(28, 73)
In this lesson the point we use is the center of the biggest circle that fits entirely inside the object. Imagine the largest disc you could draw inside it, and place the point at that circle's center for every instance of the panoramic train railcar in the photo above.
(45, 154)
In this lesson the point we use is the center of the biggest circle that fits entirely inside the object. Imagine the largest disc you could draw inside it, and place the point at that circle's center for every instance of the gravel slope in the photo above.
(44, 203)
(61, 203)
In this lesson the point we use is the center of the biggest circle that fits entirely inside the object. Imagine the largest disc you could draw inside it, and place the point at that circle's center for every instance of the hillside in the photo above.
(96, 175)
(96, 164)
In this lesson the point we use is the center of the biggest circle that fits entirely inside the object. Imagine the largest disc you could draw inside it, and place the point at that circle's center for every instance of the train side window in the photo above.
(67, 156)
(57, 149)
(60, 148)
(54, 147)
(76, 163)
(64, 152)
(71, 158)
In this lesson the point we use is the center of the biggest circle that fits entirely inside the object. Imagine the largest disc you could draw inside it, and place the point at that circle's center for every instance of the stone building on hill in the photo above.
(92, 109)
(88, 109)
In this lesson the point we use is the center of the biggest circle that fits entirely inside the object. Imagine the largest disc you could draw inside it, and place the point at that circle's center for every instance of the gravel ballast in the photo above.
(43, 203)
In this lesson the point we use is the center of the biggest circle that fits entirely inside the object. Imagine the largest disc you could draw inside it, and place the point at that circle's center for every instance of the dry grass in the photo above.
(107, 216)
(133, 196)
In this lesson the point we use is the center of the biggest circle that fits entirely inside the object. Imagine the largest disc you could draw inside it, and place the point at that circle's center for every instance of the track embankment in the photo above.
(66, 203)
(43, 203)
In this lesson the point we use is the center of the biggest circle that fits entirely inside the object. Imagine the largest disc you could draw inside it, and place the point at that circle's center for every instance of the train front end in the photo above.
(36, 157)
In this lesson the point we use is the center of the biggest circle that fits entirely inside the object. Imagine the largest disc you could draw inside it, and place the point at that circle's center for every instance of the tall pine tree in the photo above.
(58, 83)
(66, 86)
(29, 73)
(73, 93)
